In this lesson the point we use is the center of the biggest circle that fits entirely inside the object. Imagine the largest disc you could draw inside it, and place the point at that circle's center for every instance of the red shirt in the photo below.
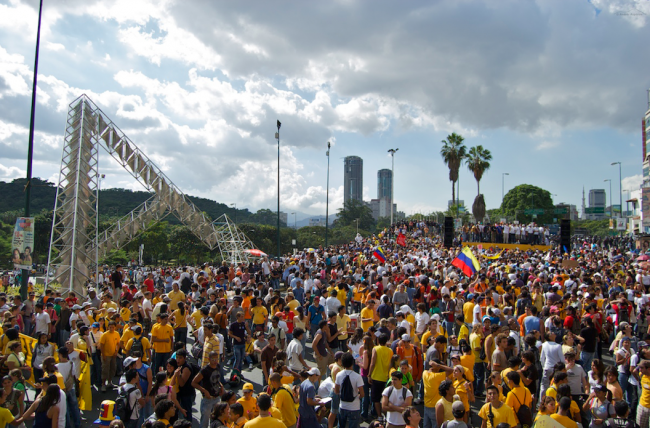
(71, 301)
(288, 317)
(149, 283)
(617, 309)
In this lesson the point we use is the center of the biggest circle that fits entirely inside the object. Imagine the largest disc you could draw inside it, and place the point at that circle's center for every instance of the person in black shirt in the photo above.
(208, 381)
(238, 332)
(116, 279)
(528, 372)
(186, 392)
(385, 310)
(590, 336)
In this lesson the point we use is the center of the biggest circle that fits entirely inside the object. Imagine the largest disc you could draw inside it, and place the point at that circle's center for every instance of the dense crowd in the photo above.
(394, 335)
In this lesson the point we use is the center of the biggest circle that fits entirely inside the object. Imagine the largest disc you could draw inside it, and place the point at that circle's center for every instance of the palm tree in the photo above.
(453, 152)
(478, 161)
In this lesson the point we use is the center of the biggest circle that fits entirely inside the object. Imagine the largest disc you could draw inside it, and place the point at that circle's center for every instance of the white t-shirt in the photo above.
(294, 350)
(146, 305)
(62, 408)
(622, 352)
(133, 399)
(477, 314)
(395, 398)
(43, 324)
(357, 382)
(421, 322)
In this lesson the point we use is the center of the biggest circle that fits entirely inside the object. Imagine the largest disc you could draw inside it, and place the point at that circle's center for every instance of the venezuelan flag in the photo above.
(379, 254)
(466, 262)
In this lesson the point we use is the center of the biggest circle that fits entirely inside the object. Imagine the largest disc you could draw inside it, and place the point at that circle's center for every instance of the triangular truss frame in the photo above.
(75, 245)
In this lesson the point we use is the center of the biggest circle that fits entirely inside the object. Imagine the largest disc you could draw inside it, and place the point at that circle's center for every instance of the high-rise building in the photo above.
(597, 199)
(384, 183)
(353, 178)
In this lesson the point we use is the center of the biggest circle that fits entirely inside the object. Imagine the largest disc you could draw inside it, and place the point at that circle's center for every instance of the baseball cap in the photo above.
(600, 388)
(95, 324)
(129, 360)
(313, 371)
(458, 406)
(248, 387)
(406, 337)
(642, 344)
(51, 379)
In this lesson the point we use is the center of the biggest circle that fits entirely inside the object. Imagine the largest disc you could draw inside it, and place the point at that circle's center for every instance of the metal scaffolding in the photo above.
(75, 246)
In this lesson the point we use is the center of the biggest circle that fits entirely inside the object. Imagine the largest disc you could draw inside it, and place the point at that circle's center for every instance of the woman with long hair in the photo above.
(463, 388)
(366, 356)
(615, 391)
(598, 406)
(596, 375)
(354, 345)
(180, 324)
(47, 413)
(42, 349)
(300, 322)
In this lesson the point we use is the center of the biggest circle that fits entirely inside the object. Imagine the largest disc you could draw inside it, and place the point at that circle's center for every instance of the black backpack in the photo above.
(524, 413)
(623, 314)
(137, 346)
(390, 392)
(122, 408)
(347, 391)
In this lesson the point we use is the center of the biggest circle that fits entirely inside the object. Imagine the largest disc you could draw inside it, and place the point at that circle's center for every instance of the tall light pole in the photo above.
(294, 221)
(101, 177)
(234, 204)
(620, 185)
(357, 220)
(327, 197)
(277, 136)
(392, 183)
(30, 148)
(503, 180)
(611, 208)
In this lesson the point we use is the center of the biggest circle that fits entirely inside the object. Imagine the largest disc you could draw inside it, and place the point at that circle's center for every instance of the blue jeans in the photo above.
(429, 418)
(160, 361)
(313, 328)
(206, 409)
(366, 403)
(303, 342)
(479, 379)
(186, 402)
(145, 412)
(73, 416)
(587, 358)
(627, 387)
(349, 417)
(96, 370)
(448, 325)
(239, 351)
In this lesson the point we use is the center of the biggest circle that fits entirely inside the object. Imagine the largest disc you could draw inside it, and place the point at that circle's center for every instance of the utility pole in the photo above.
(277, 136)
(327, 198)
(392, 182)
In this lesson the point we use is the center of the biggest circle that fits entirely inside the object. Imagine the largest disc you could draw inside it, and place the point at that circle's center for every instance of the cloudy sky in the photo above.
(555, 89)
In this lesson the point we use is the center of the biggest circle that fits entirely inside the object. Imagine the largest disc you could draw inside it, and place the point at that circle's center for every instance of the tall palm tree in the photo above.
(478, 161)
(453, 152)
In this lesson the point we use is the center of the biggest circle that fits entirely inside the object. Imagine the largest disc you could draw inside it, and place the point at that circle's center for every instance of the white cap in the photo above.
(314, 371)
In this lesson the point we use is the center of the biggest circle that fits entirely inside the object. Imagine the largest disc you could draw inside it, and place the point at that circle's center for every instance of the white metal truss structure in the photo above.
(75, 246)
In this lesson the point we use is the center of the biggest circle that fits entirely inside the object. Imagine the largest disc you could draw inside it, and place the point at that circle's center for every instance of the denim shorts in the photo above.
(336, 401)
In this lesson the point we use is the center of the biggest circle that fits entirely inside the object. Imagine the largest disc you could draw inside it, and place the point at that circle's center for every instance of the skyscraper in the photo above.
(384, 183)
(353, 178)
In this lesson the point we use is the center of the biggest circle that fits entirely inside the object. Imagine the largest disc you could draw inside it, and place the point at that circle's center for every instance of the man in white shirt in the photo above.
(349, 410)
(295, 351)
(395, 399)
(42, 320)
(136, 402)
(550, 355)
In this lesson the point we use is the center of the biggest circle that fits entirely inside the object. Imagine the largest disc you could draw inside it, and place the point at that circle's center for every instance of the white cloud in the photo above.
(633, 182)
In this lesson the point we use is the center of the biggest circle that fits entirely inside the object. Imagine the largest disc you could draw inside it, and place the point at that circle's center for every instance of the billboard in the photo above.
(621, 223)
(22, 243)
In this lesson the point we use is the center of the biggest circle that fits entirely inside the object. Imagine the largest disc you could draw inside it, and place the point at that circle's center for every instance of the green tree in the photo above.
(353, 210)
(453, 152)
(526, 196)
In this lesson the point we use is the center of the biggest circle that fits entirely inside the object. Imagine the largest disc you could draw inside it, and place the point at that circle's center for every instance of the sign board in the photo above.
(563, 210)
(458, 223)
(503, 220)
(293, 242)
(534, 215)
(616, 208)
(22, 243)
(534, 211)
(596, 210)
(621, 224)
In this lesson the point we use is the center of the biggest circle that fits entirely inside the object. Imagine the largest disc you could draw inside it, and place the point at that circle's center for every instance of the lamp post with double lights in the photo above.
(277, 137)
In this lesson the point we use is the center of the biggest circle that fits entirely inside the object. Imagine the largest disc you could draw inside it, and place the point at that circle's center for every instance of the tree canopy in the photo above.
(526, 197)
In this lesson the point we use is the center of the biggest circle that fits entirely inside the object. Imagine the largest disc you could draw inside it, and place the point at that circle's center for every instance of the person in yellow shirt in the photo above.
(343, 324)
(518, 395)
(643, 409)
(109, 345)
(248, 401)
(265, 419)
(368, 315)
(49, 369)
(563, 414)
(176, 296)
(292, 303)
(260, 315)
(179, 317)
(144, 344)
(495, 412)
(379, 369)
(283, 400)
(127, 333)
(162, 337)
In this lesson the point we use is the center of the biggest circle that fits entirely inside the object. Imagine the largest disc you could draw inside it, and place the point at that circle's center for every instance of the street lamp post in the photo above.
(357, 220)
(392, 182)
(503, 176)
(101, 177)
(30, 150)
(620, 186)
(234, 204)
(277, 136)
(327, 197)
(611, 208)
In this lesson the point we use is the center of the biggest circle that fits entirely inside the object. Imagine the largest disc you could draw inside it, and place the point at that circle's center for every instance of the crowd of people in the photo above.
(393, 335)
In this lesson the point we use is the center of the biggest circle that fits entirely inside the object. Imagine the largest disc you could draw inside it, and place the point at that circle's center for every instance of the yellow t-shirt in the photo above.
(293, 305)
(464, 333)
(283, 400)
(175, 297)
(5, 417)
(342, 296)
(109, 305)
(127, 334)
(475, 342)
(108, 343)
(645, 392)
(431, 382)
(259, 314)
(181, 320)
(268, 422)
(566, 421)
(125, 313)
(197, 316)
(342, 322)
(367, 313)
(502, 414)
(162, 332)
(522, 397)
(461, 391)
(59, 379)
(467, 361)
(250, 407)
(382, 363)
